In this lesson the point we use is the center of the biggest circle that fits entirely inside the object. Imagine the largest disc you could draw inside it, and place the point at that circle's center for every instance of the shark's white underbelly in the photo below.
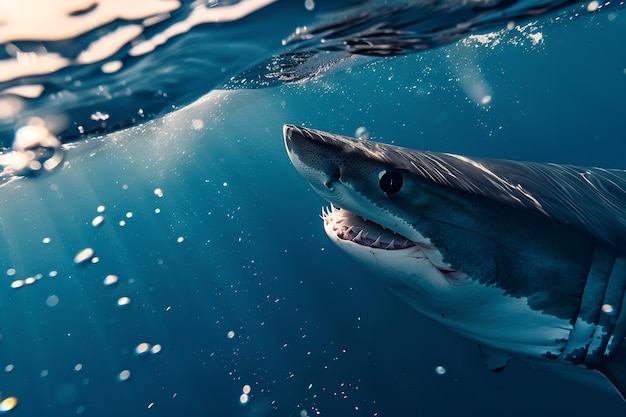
(480, 312)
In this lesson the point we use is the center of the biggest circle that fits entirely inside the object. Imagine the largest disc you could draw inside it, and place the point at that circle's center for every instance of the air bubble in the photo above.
(34, 148)
(124, 375)
(84, 256)
(97, 221)
(142, 348)
(607, 309)
(8, 404)
(18, 283)
(197, 124)
(99, 116)
(52, 301)
(362, 133)
(110, 280)
(123, 301)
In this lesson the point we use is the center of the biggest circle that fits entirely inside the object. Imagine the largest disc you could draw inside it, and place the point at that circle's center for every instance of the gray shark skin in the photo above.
(524, 258)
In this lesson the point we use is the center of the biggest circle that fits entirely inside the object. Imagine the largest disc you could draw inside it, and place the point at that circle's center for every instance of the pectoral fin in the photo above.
(495, 360)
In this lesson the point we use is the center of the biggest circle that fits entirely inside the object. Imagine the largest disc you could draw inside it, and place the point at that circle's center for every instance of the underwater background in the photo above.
(174, 262)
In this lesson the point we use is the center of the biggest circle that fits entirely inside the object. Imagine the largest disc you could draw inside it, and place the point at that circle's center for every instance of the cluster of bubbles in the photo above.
(84, 257)
(19, 283)
(99, 219)
(35, 150)
(88, 256)
(245, 394)
(144, 348)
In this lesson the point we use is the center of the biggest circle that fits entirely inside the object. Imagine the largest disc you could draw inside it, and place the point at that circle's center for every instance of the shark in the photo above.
(527, 259)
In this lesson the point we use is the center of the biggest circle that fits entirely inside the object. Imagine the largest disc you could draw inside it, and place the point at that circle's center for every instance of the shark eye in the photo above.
(390, 182)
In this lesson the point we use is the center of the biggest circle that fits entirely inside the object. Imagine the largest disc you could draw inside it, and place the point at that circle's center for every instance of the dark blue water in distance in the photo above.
(246, 307)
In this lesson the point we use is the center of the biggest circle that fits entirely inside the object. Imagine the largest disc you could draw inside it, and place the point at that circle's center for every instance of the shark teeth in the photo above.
(327, 214)
(348, 226)
(360, 237)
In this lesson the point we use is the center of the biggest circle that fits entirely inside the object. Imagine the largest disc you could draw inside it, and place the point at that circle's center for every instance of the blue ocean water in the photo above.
(245, 307)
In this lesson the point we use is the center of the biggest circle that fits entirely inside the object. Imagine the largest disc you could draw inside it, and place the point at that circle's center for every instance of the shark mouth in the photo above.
(348, 226)
(352, 227)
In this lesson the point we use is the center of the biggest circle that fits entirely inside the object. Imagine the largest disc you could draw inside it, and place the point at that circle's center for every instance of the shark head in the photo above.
(375, 210)
(513, 255)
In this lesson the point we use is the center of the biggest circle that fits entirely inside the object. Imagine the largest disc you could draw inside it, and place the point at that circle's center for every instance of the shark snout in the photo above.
(287, 132)
(314, 158)
(295, 142)
(295, 138)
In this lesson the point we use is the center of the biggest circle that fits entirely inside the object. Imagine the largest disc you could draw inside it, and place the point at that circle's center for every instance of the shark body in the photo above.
(526, 259)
